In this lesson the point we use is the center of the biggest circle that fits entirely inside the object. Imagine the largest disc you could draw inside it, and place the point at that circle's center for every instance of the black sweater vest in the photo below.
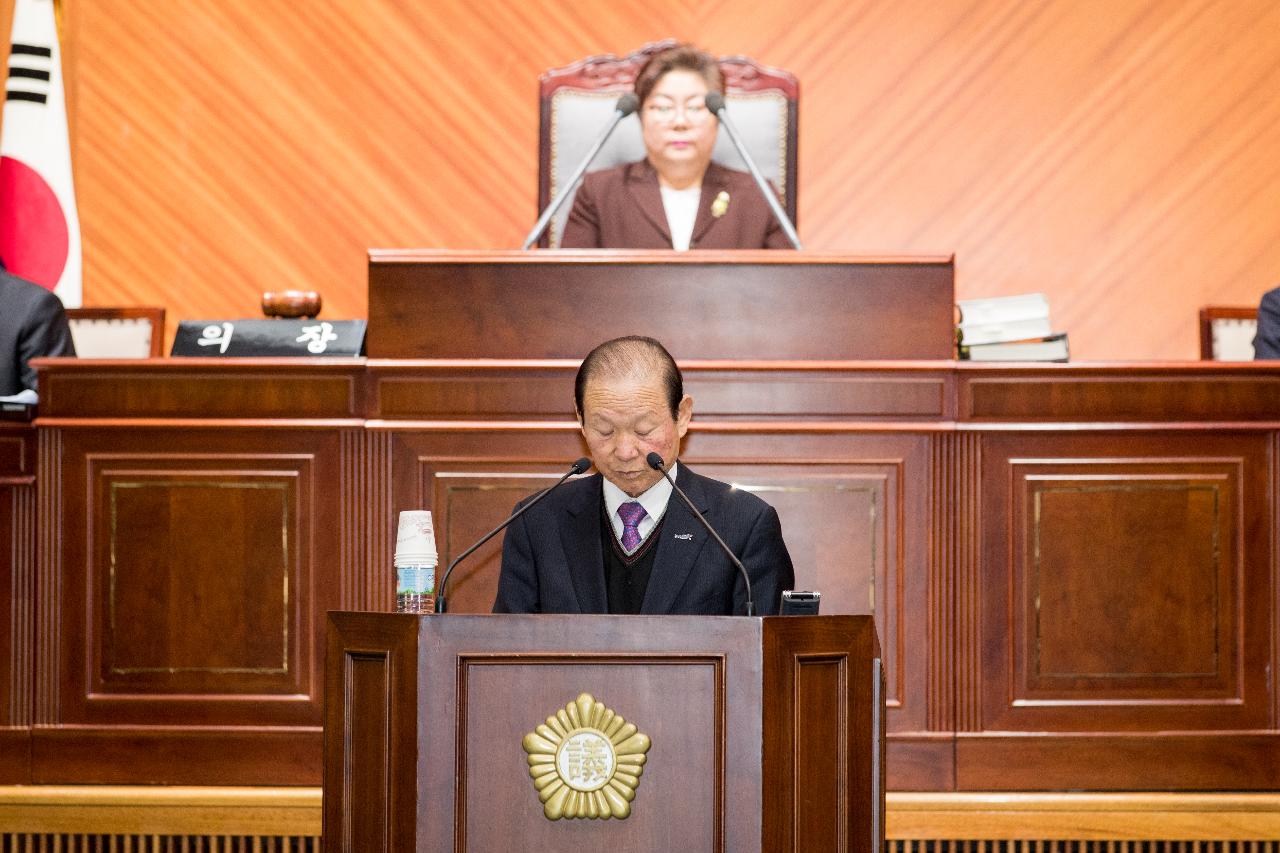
(626, 577)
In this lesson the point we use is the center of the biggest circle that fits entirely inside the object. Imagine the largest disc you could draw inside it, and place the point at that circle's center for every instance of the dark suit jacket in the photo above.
(32, 324)
(1266, 343)
(621, 208)
(553, 557)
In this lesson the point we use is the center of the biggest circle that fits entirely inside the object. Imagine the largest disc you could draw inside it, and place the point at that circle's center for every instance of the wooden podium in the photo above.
(757, 304)
(756, 734)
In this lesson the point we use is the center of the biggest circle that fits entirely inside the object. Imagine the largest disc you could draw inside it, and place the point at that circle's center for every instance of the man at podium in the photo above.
(621, 540)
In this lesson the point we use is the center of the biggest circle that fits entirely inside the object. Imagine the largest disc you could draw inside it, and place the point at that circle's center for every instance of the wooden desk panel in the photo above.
(561, 304)
(190, 569)
(17, 575)
(1182, 393)
(901, 496)
(200, 388)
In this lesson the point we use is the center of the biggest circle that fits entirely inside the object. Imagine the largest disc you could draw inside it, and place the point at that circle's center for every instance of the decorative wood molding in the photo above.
(296, 812)
(955, 588)
(160, 810)
(1121, 816)
(48, 582)
(365, 484)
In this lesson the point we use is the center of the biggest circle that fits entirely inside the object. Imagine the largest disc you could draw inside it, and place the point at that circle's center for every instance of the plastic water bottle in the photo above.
(415, 563)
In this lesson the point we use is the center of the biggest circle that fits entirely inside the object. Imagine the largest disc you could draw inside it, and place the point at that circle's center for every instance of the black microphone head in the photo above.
(581, 465)
(627, 104)
(655, 461)
(715, 102)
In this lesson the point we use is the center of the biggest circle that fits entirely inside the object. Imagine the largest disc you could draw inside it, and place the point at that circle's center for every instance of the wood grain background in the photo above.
(1121, 155)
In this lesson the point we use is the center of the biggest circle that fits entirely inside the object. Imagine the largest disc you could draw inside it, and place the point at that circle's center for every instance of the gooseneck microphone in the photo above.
(715, 103)
(655, 462)
(576, 468)
(626, 105)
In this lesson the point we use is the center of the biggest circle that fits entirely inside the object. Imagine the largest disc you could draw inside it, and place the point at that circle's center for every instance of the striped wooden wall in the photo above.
(1121, 155)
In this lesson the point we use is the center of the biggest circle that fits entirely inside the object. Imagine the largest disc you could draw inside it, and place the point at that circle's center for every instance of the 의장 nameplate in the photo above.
(239, 338)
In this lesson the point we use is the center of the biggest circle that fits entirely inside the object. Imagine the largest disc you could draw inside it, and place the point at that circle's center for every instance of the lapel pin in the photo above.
(684, 535)
(720, 206)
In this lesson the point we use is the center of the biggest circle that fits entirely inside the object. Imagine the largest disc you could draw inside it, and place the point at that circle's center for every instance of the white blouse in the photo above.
(682, 209)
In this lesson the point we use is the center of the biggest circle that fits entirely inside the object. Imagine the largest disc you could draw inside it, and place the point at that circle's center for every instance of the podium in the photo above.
(704, 305)
(737, 734)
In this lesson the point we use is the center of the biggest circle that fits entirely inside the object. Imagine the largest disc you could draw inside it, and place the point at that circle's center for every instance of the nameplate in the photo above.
(241, 338)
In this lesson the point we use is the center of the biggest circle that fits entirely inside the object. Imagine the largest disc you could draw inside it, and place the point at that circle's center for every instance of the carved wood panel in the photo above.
(1154, 553)
(669, 698)
(366, 685)
(818, 795)
(17, 577)
(1115, 595)
(8, 581)
(854, 515)
(194, 569)
(471, 481)
(177, 612)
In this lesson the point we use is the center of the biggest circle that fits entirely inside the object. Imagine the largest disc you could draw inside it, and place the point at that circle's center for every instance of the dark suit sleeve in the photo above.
(46, 333)
(518, 579)
(582, 230)
(1266, 343)
(768, 565)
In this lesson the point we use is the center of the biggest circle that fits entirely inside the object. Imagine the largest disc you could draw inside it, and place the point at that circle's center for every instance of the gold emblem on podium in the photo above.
(586, 761)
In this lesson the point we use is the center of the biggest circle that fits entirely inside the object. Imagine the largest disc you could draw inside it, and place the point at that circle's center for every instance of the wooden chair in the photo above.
(1226, 333)
(577, 100)
(135, 332)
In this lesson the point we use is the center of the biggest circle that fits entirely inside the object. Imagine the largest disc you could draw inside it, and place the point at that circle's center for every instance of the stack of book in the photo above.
(1009, 328)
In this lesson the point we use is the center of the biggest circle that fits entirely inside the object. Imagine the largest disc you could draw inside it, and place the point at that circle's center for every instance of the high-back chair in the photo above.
(577, 101)
(136, 332)
(1226, 332)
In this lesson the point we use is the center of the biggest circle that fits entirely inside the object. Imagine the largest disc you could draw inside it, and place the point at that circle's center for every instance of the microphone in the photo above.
(715, 103)
(627, 104)
(655, 462)
(576, 468)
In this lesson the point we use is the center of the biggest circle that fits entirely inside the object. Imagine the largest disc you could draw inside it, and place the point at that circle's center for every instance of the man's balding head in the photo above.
(632, 357)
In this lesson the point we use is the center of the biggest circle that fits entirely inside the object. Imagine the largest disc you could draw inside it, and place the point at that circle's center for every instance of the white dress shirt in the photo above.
(654, 502)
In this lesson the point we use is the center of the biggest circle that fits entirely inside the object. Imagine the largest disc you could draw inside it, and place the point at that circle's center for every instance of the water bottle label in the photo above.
(417, 580)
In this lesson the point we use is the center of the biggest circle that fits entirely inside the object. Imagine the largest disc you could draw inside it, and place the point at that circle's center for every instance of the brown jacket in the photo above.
(621, 208)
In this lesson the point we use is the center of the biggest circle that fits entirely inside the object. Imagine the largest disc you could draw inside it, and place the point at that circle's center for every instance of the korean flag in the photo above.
(39, 228)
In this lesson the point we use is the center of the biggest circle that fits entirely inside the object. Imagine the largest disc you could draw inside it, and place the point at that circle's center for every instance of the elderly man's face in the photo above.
(626, 419)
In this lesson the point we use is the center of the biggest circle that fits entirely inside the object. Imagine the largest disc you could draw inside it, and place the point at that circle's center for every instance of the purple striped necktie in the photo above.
(631, 514)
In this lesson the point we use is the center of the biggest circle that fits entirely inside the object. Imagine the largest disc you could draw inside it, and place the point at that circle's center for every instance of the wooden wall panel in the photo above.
(173, 613)
(1122, 609)
(979, 540)
(17, 577)
(1155, 545)
(192, 572)
(682, 785)
(1114, 584)
(183, 608)
(1117, 154)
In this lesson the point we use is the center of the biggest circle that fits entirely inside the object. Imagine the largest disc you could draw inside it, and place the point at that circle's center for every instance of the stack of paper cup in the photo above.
(416, 539)
(415, 563)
